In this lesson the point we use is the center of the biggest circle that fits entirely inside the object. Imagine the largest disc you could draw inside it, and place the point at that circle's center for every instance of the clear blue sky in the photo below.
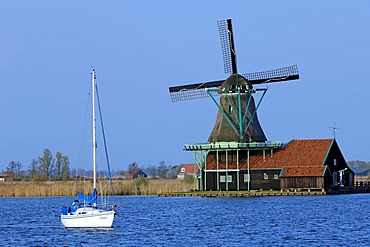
(140, 48)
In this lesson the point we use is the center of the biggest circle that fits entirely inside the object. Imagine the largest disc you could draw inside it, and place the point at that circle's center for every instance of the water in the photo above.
(342, 220)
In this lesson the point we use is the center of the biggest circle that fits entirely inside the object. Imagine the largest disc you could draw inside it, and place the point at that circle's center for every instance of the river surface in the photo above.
(340, 220)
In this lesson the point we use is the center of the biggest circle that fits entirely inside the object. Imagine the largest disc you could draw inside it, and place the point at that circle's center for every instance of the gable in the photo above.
(335, 160)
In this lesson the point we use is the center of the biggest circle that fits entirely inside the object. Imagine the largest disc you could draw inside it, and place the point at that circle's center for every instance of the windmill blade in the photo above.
(227, 44)
(193, 91)
(282, 74)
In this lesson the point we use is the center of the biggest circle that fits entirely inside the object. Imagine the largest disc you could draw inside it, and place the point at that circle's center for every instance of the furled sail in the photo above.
(86, 199)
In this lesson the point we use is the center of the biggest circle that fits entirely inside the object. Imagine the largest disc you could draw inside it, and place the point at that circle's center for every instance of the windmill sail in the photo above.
(197, 90)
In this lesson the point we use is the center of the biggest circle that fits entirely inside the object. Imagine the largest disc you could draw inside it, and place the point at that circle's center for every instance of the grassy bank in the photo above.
(70, 188)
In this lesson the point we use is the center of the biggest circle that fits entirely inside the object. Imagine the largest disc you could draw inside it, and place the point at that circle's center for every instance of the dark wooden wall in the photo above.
(302, 182)
(258, 180)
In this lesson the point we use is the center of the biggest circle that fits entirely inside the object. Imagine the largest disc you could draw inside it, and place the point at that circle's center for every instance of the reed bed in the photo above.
(71, 188)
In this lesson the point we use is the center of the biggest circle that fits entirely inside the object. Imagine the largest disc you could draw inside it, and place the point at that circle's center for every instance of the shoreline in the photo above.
(161, 188)
(71, 188)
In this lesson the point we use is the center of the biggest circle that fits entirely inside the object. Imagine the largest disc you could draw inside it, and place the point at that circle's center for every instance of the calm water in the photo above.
(342, 220)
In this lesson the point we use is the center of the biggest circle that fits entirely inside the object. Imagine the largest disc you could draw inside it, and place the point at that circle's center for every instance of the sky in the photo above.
(140, 48)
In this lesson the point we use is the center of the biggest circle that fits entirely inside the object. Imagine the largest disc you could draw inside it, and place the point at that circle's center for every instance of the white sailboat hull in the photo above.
(85, 218)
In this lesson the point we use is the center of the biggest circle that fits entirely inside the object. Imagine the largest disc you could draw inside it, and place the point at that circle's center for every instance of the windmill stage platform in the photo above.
(232, 146)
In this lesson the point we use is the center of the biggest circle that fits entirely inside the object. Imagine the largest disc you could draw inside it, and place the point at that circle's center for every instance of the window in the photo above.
(335, 162)
(335, 178)
(246, 178)
(230, 109)
(223, 179)
(265, 176)
(182, 169)
(276, 176)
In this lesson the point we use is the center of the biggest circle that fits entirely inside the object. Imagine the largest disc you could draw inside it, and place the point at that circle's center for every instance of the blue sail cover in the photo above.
(86, 199)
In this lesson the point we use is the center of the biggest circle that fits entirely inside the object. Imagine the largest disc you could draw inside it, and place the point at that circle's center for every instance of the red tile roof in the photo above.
(303, 171)
(296, 153)
(298, 157)
(189, 169)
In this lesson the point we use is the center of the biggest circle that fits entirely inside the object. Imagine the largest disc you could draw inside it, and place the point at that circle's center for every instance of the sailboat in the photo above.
(85, 211)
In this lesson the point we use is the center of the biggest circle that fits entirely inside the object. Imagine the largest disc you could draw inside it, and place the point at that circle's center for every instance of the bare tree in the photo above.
(65, 168)
(11, 168)
(15, 168)
(58, 165)
(162, 169)
(32, 169)
(132, 167)
(152, 171)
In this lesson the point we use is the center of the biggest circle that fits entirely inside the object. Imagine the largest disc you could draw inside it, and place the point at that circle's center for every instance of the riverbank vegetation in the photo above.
(71, 188)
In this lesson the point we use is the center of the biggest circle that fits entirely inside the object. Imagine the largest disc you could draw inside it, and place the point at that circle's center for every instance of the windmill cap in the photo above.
(233, 82)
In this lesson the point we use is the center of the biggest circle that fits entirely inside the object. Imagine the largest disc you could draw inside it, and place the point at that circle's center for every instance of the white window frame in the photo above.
(247, 178)
(223, 178)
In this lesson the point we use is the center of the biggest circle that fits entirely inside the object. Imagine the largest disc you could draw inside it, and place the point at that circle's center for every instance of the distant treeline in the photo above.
(49, 167)
(44, 168)
(361, 168)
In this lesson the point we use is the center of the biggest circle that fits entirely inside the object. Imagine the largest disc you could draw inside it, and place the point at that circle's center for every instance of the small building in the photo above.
(6, 176)
(135, 173)
(316, 163)
(187, 170)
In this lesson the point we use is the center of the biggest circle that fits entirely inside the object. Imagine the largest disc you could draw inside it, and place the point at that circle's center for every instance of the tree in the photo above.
(65, 168)
(74, 173)
(11, 168)
(162, 169)
(121, 173)
(132, 167)
(46, 165)
(152, 170)
(58, 166)
(32, 169)
(15, 168)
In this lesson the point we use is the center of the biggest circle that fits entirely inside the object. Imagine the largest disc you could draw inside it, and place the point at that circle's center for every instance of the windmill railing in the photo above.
(232, 145)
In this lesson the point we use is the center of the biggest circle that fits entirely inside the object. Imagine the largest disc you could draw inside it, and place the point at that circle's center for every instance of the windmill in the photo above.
(237, 119)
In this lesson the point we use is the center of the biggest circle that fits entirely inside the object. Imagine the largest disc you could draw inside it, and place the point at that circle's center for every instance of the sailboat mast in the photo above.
(93, 77)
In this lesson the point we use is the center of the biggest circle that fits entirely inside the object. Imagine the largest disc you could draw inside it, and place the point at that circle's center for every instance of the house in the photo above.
(135, 173)
(6, 176)
(187, 170)
(315, 163)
